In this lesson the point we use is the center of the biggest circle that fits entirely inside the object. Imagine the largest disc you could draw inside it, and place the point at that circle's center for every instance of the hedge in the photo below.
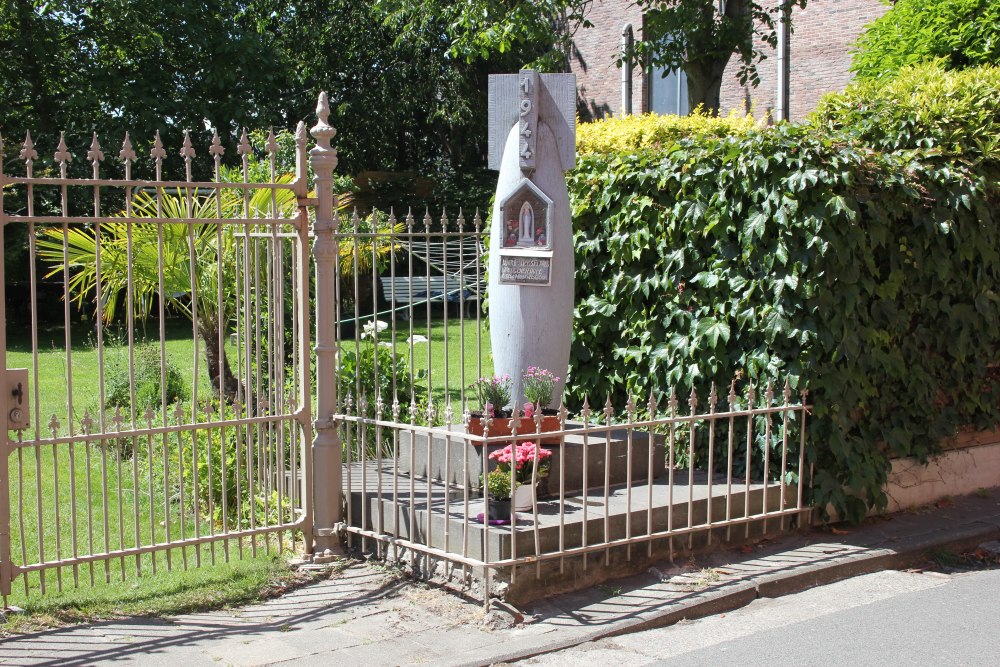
(955, 33)
(924, 107)
(653, 131)
(868, 275)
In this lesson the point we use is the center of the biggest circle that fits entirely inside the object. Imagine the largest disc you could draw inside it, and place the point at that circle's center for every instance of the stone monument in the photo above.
(532, 143)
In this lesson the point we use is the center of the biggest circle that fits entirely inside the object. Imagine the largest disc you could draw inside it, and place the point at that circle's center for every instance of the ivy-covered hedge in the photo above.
(869, 275)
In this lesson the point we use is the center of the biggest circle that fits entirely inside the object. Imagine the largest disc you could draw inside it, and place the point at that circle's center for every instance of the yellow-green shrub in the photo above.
(630, 134)
(955, 112)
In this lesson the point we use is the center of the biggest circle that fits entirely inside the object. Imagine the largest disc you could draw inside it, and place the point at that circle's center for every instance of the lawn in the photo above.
(456, 355)
(117, 493)
(121, 497)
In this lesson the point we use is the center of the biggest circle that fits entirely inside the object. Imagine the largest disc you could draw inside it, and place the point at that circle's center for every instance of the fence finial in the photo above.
(216, 150)
(272, 143)
(95, 154)
(300, 134)
(187, 149)
(127, 153)
(323, 131)
(243, 149)
(158, 152)
(62, 155)
(28, 152)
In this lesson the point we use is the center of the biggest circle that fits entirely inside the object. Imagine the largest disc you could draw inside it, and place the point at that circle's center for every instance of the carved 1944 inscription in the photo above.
(525, 269)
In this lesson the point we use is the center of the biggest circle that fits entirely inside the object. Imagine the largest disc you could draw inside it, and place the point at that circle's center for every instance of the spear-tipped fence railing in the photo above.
(417, 457)
(170, 430)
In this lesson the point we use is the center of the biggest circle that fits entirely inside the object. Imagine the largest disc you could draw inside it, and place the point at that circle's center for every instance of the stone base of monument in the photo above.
(579, 461)
(387, 503)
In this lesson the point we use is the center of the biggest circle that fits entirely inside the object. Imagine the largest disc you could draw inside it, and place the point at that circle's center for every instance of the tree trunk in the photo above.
(218, 364)
(704, 80)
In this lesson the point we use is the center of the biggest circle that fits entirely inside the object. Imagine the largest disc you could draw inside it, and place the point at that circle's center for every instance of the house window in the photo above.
(668, 94)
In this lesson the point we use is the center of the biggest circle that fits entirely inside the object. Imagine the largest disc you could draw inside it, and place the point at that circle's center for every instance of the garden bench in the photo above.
(417, 290)
(454, 263)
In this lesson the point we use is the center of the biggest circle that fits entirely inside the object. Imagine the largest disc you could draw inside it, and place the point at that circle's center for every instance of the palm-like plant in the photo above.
(196, 261)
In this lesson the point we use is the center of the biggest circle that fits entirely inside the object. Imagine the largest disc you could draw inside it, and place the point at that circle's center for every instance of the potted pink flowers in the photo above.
(494, 397)
(528, 459)
(539, 384)
(494, 394)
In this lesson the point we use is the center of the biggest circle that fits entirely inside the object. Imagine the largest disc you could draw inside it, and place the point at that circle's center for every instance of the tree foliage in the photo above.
(955, 33)
(403, 97)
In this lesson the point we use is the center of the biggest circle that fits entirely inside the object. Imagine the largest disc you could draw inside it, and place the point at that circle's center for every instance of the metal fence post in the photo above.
(327, 490)
(6, 567)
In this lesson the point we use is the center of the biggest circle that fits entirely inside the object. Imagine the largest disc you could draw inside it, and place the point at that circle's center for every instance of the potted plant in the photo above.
(494, 397)
(539, 385)
(525, 457)
(498, 487)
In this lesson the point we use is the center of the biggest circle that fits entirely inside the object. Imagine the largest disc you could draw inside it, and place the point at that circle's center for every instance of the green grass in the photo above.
(468, 356)
(110, 489)
(81, 479)
(176, 592)
(54, 384)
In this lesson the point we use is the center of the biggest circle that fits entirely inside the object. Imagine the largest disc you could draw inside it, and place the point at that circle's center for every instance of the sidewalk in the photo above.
(370, 617)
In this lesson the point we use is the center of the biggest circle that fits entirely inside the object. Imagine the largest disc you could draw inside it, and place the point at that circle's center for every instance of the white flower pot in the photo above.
(523, 498)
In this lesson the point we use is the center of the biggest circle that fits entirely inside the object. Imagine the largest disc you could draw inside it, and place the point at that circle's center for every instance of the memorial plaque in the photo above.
(526, 268)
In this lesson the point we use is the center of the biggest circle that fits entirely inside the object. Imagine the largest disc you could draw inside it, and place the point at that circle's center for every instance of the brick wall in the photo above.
(823, 34)
(592, 59)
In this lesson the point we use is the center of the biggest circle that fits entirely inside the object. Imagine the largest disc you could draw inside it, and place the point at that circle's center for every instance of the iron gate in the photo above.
(162, 414)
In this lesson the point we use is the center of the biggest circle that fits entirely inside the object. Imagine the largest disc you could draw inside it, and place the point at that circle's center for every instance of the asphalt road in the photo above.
(884, 619)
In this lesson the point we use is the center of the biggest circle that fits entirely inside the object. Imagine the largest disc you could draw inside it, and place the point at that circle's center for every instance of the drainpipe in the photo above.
(627, 44)
(781, 111)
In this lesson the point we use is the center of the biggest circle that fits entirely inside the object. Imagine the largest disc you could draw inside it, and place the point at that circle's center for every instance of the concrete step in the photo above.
(400, 506)
(581, 460)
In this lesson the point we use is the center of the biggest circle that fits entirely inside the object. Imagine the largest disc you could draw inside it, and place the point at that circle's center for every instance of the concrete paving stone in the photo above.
(364, 616)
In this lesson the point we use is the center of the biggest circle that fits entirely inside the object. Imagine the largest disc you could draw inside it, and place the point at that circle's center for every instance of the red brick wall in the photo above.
(823, 34)
(592, 59)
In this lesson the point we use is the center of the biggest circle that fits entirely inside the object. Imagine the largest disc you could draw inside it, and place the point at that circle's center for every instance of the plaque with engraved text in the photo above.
(526, 269)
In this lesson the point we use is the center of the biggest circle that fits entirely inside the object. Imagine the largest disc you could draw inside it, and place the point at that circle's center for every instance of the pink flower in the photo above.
(529, 410)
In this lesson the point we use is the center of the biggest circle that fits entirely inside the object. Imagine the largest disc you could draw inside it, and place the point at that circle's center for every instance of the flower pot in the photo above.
(523, 498)
(499, 509)
(501, 426)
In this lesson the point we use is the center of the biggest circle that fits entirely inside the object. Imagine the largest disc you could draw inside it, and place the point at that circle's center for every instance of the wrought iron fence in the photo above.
(418, 457)
(123, 458)
(133, 449)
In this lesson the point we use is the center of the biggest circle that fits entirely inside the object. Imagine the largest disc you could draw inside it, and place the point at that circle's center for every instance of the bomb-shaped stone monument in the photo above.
(532, 143)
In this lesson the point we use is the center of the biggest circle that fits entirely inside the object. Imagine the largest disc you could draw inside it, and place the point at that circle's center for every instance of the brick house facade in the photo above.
(820, 55)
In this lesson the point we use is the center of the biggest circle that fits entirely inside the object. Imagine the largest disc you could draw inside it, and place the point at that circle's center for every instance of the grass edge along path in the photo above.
(208, 588)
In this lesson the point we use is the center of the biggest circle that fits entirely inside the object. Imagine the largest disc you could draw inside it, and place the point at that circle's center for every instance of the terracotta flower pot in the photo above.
(501, 426)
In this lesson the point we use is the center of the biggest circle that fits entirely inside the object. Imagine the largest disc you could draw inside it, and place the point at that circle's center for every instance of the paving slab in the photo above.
(368, 616)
